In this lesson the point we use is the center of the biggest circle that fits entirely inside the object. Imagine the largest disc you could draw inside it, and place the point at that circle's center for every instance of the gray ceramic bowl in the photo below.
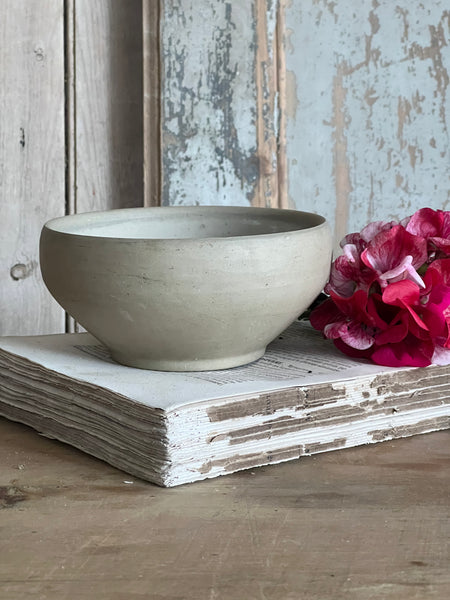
(186, 288)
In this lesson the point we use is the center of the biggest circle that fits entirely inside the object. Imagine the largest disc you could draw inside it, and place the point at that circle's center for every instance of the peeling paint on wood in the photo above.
(322, 417)
(368, 135)
(413, 429)
(268, 404)
(341, 167)
(220, 102)
(239, 462)
(284, 87)
(335, 107)
(267, 102)
(208, 103)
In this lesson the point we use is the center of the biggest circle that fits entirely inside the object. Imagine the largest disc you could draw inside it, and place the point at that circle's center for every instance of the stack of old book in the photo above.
(301, 398)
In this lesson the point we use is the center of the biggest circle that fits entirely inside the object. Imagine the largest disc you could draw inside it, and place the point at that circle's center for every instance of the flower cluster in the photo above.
(389, 292)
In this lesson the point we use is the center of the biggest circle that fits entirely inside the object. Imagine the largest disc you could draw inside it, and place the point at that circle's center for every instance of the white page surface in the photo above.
(299, 357)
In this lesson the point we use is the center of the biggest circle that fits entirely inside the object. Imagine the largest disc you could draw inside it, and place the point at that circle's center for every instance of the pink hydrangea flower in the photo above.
(389, 292)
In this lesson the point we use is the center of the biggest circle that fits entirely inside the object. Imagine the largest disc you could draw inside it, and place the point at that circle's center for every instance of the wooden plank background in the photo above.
(220, 103)
(32, 183)
(367, 108)
(107, 121)
(209, 121)
(104, 102)
(151, 14)
(340, 108)
(65, 146)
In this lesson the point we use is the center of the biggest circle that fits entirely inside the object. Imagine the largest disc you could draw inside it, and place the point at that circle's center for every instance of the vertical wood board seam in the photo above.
(280, 44)
(70, 123)
(70, 105)
(265, 77)
(151, 17)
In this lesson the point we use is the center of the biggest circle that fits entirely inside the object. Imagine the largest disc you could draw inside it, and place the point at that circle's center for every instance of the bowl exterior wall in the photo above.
(186, 304)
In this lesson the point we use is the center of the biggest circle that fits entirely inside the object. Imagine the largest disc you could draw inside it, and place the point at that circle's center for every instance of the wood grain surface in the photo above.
(219, 112)
(32, 186)
(341, 108)
(105, 39)
(359, 524)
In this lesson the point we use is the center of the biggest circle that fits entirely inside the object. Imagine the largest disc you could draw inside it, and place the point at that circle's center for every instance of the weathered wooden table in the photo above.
(366, 523)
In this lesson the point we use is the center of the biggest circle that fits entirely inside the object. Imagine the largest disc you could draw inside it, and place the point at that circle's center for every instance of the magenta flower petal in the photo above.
(356, 336)
(445, 231)
(332, 331)
(353, 334)
(351, 253)
(411, 352)
(393, 335)
(433, 225)
(401, 293)
(404, 294)
(343, 276)
(355, 306)
(442, 239)
(345, 318)
(349, 274)
(403, 270)
(373, 229)
(441, 243)
(389, 249)
(382, 314)
(425, 223)
(438, 272)
(352, 352)
(355, 239)
(325, 314)
(436, 313)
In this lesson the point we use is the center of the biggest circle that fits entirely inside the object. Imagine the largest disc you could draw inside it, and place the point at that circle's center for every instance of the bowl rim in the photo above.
(56, 225)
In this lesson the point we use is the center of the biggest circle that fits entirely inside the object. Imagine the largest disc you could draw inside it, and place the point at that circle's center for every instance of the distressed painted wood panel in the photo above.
(105, 43)
(367, 108)
(219, 111)
(32, 186)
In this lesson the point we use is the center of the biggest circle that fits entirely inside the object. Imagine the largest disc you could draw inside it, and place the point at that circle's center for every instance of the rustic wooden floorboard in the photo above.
(365, 523)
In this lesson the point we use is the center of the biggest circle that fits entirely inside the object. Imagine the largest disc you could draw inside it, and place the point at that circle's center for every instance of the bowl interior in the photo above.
(185, 222)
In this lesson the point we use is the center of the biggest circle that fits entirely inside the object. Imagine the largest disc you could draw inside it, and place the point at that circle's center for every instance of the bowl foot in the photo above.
(202, 364)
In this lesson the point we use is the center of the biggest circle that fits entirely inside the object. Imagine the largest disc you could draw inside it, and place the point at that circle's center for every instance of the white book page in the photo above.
(299, 357)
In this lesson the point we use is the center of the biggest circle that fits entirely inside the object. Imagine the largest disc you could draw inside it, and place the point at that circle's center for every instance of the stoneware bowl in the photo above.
(186, 288)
